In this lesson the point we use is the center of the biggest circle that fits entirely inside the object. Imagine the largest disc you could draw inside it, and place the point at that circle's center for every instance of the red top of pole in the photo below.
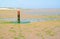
(18, 11)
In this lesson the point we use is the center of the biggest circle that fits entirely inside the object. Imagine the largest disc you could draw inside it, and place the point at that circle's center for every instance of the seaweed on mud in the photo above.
(12, 30)
(50, 32)
(1, 37)
(15, 37)
(40, 34)
(20, 36)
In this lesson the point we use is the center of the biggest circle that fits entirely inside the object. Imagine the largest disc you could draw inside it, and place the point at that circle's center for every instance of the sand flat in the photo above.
(41, 30)
(34, 30)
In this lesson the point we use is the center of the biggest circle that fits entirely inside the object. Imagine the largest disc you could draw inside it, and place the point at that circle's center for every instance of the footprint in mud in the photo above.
(12, 30)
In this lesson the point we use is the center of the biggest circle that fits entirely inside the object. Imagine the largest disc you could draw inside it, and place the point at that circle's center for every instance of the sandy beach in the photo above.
(49, 29)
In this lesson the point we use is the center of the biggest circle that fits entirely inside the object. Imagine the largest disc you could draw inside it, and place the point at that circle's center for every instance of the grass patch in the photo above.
(6, 22)
(9, 23)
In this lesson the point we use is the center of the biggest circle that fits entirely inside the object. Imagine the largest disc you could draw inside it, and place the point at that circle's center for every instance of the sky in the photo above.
(30, 3)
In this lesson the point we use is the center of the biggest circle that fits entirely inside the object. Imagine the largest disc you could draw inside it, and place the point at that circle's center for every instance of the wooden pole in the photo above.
(18, 12)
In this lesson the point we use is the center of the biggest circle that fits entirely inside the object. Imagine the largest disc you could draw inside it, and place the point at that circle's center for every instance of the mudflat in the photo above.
(33, 30)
